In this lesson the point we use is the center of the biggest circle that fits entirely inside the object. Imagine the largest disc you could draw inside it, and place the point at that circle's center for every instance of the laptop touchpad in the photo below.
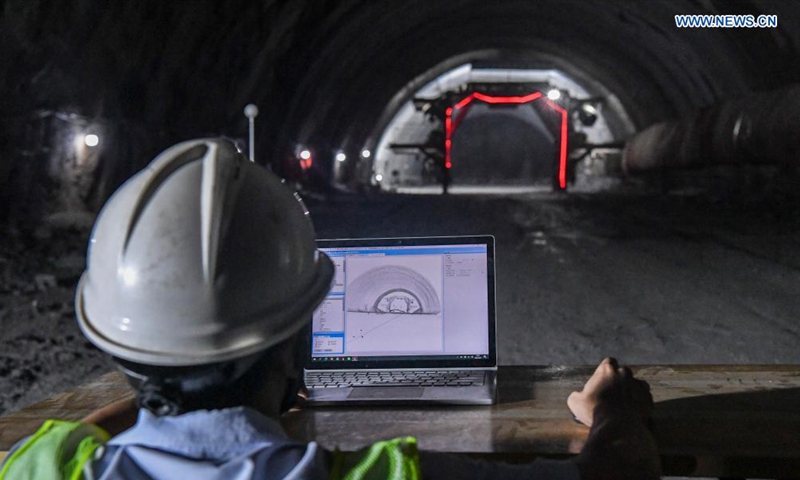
(387, 392)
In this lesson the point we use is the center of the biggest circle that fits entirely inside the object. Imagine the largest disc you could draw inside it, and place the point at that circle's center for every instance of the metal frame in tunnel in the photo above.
(451, 124)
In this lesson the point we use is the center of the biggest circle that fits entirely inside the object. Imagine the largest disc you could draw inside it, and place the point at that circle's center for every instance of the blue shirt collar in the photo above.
(208, 434)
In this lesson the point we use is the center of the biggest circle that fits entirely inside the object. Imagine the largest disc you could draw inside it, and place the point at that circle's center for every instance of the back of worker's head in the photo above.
(200, 268)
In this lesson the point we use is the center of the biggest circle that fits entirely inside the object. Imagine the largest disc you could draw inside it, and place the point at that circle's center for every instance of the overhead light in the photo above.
(554, 94)
(378, 177)
(587, 114)
(250, 111)
(305, 154)
(341, 157)
(91, 140)
(365, 153)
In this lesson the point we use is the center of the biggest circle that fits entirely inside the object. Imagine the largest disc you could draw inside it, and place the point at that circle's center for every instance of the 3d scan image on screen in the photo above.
(393, 289)
(393, 304)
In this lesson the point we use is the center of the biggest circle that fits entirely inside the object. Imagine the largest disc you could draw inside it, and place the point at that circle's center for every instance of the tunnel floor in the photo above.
(645, 277)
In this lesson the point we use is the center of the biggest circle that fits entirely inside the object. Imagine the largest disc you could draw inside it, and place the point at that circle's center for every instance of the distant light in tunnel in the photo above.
(554, 94)
(366, 153)
(250, 110)
(378, 177)
(305, 154)
(341, 157)
(91, 140)
(587, 114)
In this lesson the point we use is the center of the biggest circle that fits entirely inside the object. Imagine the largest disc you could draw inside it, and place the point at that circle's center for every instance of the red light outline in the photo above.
(448, 127)
(507, 100)
(451, 125)
(463, 103)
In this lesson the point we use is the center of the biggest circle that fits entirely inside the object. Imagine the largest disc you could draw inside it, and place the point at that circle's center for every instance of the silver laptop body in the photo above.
(407, 320)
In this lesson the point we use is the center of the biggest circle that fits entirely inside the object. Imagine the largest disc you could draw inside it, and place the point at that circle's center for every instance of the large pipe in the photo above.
(762, 128)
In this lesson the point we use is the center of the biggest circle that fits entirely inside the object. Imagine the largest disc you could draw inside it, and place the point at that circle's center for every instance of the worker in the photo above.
(202, 275)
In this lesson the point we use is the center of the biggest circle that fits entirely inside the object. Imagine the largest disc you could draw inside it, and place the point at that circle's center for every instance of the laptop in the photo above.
(407, 320)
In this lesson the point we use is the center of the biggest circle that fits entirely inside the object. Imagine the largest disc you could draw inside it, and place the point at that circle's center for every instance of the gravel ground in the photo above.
(42, 351)
(649, 278)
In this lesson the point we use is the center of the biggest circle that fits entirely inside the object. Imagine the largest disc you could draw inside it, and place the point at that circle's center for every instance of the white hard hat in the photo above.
(200, 258)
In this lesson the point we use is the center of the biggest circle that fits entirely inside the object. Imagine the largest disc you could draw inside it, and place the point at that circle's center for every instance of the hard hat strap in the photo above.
(162, 400)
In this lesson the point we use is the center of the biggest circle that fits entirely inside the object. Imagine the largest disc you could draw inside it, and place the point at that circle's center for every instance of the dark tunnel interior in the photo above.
(520, 144)
(645, 200)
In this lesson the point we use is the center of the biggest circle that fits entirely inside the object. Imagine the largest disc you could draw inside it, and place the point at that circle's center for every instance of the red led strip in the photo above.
(450, 126)
(507, 100)
(562, 156)
(463, 103)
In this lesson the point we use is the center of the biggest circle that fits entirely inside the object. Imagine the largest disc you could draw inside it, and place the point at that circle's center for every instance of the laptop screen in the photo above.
(409, 302)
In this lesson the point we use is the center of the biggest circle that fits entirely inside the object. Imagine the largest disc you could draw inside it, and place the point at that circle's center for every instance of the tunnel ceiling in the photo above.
(323, 72)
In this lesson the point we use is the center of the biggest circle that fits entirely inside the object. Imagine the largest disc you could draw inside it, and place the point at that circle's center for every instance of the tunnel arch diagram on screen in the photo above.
(392, 289)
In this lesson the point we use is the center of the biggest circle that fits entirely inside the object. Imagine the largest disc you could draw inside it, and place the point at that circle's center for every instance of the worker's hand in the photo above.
(302, 398)
(617, 407)
(617, 387)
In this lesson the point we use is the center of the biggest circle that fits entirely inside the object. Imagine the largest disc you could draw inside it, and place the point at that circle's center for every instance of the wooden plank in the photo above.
(731, 421)
(72, 405)
(735, 421)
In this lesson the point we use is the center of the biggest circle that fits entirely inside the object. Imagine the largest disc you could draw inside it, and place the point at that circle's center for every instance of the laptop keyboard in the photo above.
(466, 378)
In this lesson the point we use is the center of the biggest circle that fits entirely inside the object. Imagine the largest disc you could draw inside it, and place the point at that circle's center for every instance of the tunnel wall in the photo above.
(754, 129)
(152, 73)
